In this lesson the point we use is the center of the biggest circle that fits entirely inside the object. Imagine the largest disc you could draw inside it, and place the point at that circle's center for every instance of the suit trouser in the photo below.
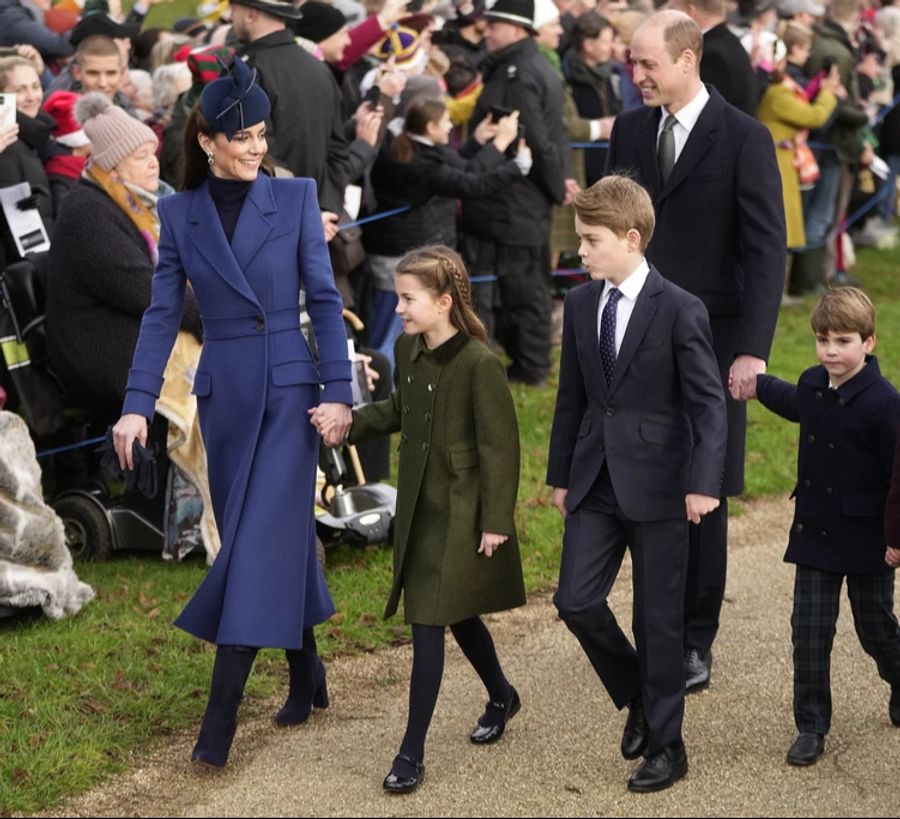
(597, 533)
(817, 596)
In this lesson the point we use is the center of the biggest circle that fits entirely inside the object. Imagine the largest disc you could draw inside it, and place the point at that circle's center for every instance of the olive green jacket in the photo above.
(458, 476)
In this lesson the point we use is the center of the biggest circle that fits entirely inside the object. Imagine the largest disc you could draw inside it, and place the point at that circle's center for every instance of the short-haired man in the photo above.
(97, 66)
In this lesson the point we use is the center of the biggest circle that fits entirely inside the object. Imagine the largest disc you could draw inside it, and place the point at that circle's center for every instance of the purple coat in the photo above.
(254, 383)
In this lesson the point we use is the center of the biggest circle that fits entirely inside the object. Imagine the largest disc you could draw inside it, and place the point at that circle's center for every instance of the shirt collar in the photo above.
(420, 139)
(633, 284)
(687, 117)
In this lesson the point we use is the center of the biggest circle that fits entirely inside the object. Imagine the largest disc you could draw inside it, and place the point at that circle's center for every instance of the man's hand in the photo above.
(371, 375)
(329, 224)
(742, 376)
(892, 557)
(572, 190)
(699, 505)
(490, 543)
(559, 500)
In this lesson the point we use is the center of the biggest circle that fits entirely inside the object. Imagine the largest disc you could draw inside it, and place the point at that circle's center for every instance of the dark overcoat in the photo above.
(458, 476)
(847, 438)
(254, 384)
(719, 233)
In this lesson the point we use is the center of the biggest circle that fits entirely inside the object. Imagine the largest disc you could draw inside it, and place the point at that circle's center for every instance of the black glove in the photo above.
(30, 202)
(144, 478)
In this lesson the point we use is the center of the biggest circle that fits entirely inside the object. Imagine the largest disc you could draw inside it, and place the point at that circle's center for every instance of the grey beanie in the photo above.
(114, 133)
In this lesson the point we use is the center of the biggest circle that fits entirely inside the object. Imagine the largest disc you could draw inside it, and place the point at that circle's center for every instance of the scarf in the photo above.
(602, 78)
(131, 205)
(553, 58)
(69, 166)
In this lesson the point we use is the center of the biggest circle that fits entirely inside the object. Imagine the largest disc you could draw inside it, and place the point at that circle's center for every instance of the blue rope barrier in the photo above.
(48, 452)
(599, 144)
(375, 217)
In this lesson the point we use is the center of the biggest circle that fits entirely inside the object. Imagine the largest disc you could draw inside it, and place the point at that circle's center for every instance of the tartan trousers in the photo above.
(817, 595)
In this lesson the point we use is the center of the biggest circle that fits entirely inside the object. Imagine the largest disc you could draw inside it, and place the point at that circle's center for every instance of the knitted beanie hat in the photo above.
(114, 134)
(319, 21)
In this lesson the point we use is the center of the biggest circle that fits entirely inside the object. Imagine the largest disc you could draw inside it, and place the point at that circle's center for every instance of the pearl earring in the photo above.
(209, 158)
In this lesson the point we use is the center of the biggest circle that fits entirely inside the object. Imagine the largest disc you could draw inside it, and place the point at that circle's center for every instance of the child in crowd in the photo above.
(848, 414)
(455, 550)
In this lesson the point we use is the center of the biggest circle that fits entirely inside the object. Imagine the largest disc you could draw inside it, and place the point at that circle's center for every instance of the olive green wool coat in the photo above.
(458, 476)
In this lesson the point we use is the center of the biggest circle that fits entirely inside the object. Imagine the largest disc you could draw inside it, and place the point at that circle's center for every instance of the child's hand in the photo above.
(490, 543)
(892, 557)
(699, 505)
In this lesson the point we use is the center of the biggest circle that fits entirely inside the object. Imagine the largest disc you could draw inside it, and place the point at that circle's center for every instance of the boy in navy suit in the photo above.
(637, 450)
(848, 414)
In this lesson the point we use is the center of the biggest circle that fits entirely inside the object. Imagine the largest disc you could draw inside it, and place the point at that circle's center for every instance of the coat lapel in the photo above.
(699, 141)
(208, 236)
(647, 155)
(253, 228)
(592, 336)
(644, 310)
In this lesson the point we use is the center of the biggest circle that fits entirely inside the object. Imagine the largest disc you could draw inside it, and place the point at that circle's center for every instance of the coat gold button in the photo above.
(811, 438)
(430, 387)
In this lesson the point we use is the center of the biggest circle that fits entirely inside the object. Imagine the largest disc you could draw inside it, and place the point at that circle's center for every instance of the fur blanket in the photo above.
(35, 565)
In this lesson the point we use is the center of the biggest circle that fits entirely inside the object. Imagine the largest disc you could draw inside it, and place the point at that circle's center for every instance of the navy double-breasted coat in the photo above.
(254, 383)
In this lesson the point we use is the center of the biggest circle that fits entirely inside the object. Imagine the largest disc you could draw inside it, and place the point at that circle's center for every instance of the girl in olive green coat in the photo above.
(455, 550)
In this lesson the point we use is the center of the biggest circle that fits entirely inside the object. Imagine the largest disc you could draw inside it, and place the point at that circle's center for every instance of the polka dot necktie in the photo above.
(608, 334)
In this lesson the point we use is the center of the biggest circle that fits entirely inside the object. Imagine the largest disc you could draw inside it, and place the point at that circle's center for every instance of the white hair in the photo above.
(169, 81)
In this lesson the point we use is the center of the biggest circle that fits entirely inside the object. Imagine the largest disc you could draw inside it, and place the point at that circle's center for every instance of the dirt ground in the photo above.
(560, 755)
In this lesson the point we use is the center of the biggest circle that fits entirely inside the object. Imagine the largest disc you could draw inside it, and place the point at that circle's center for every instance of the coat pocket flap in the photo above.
(664, 435)
(463, 458)
(584, 428)
(202, 384)
(863, 506)
(294, 372)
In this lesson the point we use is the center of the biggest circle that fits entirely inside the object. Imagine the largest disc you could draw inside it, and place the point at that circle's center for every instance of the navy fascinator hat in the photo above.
(234, 101)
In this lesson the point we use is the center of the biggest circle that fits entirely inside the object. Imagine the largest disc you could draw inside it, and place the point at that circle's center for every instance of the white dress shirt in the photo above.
(630, 290)
(686, 119)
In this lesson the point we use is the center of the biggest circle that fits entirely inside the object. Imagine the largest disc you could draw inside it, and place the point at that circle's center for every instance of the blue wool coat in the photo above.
(847, 438)
(254, 384)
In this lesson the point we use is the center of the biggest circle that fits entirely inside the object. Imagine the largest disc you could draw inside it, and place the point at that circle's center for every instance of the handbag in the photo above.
(347, 253)
(805, 164)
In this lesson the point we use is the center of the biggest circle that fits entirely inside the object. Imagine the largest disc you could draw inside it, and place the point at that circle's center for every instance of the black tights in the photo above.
(476, 643)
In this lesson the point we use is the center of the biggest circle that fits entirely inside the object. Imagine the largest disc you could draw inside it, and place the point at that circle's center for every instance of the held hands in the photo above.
(127, 428)
(490, 543)
(892, 557)
(699, 505)
(742, 376)
(332, 421)
(559, 500)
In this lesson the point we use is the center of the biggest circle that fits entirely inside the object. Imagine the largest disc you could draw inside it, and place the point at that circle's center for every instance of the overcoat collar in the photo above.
(443, 353)
(252, 230)
(698, 143)
(868, 375)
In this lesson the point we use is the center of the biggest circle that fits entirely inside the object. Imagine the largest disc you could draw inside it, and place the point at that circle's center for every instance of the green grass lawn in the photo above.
(77, 696)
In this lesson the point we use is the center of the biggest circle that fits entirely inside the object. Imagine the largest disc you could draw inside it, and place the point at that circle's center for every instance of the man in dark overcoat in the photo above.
(720, 235)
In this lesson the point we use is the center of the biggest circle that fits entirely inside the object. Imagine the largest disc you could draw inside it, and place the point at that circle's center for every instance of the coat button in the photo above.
(799, 527)
(430, 387)
(610, 411)
(828, 490)
(824, 533)
(406, 410)
(425, 447)
(260, 324)
(831, 447)
(409, 379)
(841, 402)
(811, 438)
(807, 482)
(402, 436)
(427, 416)
(818, 395)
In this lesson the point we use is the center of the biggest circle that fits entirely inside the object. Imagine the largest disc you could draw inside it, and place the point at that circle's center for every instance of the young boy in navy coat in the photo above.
(848, 414)
(637, 450)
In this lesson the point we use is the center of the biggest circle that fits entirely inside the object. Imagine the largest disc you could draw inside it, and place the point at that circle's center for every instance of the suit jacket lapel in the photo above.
(253, 227)
(209, 237)
(699, 141)
(641, 316)
(647, 154)
(592, 335)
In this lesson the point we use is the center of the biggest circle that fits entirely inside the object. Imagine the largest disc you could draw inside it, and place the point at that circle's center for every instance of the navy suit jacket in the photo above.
(660, 425)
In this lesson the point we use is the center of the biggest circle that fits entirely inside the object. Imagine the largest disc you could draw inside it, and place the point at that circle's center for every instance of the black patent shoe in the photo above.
(636, 734)
(697, 668)
(492, 723)
(660, 771)
(806, 750)
(404, 784)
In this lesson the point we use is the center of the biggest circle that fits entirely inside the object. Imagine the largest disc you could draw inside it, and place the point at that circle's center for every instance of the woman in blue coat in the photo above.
(248, 243)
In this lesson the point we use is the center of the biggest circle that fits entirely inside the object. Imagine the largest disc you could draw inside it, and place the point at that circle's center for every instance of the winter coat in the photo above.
(785, 113)
(726, 66)
(255, 383)
(22, 162)
(21, 23)
(519, 77)
(847, 439)
(98, 286)
(431, 182)
(306, 132)
(458, 476)
(892, 506)
(846, 131)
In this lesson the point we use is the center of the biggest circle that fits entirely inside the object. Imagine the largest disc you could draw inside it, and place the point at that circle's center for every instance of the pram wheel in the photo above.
(88, 533)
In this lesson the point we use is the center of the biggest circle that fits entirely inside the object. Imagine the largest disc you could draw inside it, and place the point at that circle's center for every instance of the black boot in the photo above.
(230, 672)
(308, 687)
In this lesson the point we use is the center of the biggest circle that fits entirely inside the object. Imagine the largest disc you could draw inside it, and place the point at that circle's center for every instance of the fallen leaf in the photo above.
(153, 613)
(20, 775)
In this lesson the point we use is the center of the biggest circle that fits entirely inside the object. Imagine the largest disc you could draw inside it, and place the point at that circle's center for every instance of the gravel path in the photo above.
(560, 755)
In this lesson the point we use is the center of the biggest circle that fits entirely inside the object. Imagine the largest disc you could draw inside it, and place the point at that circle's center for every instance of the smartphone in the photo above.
(498, 112)
(373, 96)
(7, 111)
(415, 5)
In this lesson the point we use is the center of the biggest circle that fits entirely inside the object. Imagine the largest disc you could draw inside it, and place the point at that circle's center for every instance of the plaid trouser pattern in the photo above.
(817, 597)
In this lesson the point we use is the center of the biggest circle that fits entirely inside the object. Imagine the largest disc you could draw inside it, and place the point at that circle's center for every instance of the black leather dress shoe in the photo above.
(492, 723)
(894, 706)
(697, 666)
(806, 750)
(636, 733)
(404, 784)
(661, 770)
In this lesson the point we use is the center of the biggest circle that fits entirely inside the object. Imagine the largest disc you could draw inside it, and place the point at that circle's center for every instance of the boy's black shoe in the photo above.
(806, 750)
(697, 668)
(661, 770)
(636, 734)
(894, 706)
